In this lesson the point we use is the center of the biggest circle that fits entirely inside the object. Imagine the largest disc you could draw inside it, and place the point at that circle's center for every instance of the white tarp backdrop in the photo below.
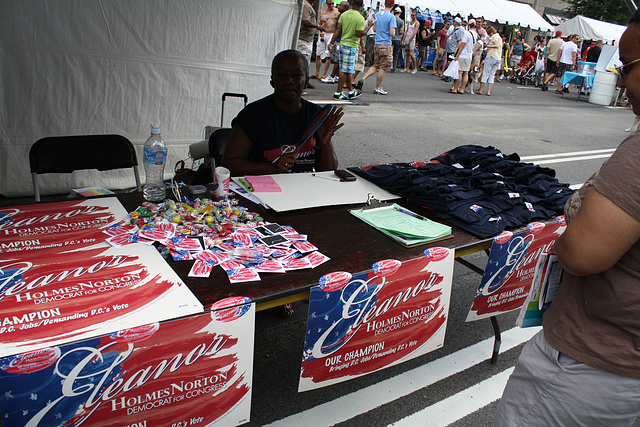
(114, 66)
(592, 29)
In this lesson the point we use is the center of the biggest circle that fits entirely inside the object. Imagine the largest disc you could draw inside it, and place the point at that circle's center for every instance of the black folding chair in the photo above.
(217, 144)
(65, 154)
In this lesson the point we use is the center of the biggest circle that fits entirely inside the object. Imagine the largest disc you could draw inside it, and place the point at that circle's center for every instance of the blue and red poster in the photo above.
(362, 324)
(507, 278)
(60, 281)
(194, 371)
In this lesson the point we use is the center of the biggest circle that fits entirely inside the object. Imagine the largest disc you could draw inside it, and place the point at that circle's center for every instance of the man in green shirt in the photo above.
(349, 31)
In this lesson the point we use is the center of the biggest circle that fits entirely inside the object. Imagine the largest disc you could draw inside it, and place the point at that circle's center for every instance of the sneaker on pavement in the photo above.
(340, 96)
(327, 80)
(359, 85)
(356, 93)
(414, 71)
(379, 92)
(336, 79)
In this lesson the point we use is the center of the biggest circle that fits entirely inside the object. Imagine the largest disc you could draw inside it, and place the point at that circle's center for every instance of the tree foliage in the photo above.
(615, 11)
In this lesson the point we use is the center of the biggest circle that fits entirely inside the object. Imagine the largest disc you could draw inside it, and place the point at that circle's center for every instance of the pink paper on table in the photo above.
(263, 184)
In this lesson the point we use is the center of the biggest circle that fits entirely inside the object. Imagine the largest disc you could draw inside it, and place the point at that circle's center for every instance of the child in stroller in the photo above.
(525, 70)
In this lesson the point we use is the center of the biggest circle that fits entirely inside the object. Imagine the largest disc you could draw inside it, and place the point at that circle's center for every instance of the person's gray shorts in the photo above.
(549, 388)
(464, 64)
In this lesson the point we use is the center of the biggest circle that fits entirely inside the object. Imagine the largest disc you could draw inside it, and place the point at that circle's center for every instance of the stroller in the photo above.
(525, 70)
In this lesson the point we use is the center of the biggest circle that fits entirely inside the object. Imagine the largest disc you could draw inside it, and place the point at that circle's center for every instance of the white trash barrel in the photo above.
(604, 87)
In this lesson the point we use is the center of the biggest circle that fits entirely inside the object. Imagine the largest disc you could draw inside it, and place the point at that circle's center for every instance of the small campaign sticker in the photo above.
(305, 247)
(238, 307)
(156, 234)
(32, 361)
(201, 269)
(333, 281)
(137, 334)
(503, 237)
(298, 264)
(270, 266)
(561, 220)
(436, 254)
(316, 258)
(386, 267)
(239, 275)
(535, 227)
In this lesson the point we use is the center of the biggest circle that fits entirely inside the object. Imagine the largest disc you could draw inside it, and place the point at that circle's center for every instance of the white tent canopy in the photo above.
(524, 15)
(501, 11)
(592, 29)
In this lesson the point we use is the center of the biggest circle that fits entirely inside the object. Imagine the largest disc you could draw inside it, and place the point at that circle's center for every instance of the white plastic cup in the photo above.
(221, 185)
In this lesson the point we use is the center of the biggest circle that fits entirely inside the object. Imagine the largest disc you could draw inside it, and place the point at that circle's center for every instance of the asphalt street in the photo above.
(416, 121)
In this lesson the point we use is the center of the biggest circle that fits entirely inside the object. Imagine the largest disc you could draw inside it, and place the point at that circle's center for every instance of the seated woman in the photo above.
(265, 134)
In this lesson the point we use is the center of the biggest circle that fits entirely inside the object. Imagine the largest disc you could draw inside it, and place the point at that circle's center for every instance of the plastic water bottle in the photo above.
(154, 159)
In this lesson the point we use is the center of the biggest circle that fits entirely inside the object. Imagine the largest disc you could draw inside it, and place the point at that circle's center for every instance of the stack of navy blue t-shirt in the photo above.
(475, 188)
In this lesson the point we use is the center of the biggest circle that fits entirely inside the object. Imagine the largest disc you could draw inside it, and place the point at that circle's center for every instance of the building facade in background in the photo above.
(551, 10)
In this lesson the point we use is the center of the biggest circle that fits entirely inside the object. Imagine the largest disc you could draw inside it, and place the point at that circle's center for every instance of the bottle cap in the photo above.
(155, 128)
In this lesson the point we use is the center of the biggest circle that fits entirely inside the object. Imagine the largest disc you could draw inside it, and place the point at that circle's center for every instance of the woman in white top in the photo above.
(491, 61)
(409, 44)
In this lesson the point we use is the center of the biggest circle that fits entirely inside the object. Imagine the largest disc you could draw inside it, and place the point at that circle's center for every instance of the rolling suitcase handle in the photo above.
(232, 95)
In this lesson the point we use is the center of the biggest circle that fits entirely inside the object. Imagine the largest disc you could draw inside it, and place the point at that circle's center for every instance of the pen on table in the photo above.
(245, 184)
(411, 213)
(326, 177)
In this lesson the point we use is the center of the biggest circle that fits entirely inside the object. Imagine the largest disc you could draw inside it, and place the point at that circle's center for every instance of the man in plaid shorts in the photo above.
(350, 29)
(385, 25)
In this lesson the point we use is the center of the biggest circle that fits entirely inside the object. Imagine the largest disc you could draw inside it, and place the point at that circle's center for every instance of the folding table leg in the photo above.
(497, 341)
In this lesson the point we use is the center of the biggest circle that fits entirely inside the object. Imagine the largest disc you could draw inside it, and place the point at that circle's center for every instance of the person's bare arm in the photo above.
(599, 235)
(461, 46)
(362, 33)
(337, 33)
(310, 24)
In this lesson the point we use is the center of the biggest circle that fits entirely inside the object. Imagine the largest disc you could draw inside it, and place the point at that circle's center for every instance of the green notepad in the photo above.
(402, 225)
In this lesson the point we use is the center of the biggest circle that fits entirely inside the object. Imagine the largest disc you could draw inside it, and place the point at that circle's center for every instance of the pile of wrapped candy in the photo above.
(217, 233)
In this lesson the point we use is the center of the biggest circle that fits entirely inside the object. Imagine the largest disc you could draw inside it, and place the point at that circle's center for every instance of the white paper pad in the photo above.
(304, 190)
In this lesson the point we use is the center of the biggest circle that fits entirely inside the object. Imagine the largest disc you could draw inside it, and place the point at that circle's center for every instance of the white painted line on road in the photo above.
(570, 154)
(368, 398)
(459, 405)
(572, 159)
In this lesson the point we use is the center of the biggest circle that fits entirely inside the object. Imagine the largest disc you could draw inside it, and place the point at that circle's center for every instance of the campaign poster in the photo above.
(52, 228)
(365, 323)
(194, 371)
(52, 300)
(507, 278)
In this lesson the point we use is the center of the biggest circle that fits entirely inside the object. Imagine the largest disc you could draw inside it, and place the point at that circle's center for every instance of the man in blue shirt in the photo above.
(385, 26)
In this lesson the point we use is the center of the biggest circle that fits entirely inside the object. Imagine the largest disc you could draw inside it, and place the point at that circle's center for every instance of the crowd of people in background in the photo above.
(467, 53)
